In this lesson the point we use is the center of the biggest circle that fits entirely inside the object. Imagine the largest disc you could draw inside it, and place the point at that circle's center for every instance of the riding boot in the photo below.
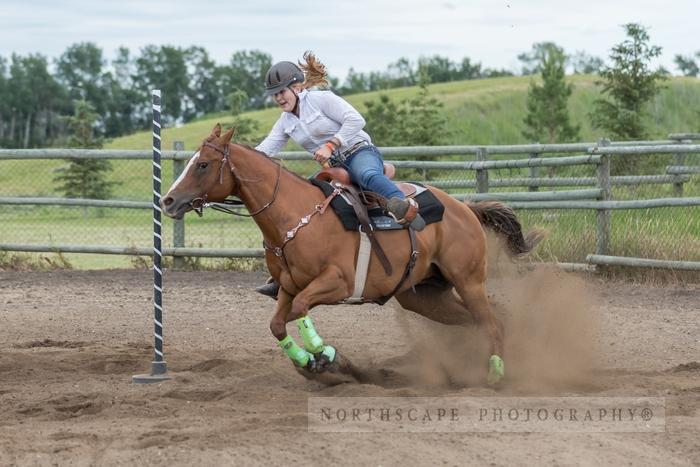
(271, 288)
(405, 211)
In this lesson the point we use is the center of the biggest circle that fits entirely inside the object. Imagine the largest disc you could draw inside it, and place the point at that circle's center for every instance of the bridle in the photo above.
(198, 204)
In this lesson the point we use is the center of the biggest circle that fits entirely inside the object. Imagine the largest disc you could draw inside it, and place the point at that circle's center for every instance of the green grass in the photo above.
(478, 112)
(487, 111)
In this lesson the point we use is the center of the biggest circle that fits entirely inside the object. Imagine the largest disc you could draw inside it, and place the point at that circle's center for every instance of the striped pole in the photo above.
(159, 367)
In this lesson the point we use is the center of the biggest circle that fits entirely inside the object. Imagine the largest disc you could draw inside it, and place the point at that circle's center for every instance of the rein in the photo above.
(198, 204)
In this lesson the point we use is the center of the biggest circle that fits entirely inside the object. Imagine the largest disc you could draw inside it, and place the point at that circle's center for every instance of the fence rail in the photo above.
(596, 155)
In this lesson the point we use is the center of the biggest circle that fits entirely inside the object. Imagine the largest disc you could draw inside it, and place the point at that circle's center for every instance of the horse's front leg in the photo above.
(278, 325)
(329, 287)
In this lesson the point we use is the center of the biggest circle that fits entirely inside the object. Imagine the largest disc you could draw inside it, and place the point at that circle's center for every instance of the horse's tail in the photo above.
(503, 221)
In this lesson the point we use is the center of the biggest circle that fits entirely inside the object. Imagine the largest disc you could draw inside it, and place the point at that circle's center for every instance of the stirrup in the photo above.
(408, 210)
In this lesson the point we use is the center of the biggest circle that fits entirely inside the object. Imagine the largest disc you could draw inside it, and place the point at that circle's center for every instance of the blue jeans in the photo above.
(366, 168)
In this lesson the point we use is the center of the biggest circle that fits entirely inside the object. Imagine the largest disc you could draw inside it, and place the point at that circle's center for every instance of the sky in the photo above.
(366, 35)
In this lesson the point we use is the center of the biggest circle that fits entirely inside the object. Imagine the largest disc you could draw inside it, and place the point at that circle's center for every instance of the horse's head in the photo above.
(207, 177)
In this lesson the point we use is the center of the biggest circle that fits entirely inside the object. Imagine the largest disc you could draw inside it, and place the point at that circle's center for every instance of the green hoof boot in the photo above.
(322, 360)
(496, 370)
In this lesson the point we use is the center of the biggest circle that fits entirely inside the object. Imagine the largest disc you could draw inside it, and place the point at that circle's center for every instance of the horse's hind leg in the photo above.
(473, 294)
(437, 302)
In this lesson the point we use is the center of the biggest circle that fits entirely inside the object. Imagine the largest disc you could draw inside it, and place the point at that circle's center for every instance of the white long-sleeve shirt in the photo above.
(322, 115)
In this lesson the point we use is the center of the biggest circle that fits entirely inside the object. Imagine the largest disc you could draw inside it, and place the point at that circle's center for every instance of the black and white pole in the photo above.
(159, 368)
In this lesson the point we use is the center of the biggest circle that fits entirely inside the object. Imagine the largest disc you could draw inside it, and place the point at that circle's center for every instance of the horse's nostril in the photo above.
(168, 201)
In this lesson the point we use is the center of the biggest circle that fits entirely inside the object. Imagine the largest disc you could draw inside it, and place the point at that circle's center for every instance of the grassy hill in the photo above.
(487, 111)
(479, 112)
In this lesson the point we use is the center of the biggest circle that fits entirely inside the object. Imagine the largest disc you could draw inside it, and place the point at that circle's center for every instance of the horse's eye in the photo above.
(203, 165)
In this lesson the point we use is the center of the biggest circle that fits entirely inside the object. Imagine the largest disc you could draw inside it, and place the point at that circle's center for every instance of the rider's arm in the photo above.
(338, 109)
(275, 140)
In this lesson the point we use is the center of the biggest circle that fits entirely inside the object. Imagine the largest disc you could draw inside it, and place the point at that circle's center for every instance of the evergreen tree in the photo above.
(418, 121)
(423, 123)
(382, 118)
(84, 178)
(628, 84)
(547, 118)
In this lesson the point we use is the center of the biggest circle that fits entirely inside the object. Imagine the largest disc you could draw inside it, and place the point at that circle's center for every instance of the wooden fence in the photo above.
(597, 198)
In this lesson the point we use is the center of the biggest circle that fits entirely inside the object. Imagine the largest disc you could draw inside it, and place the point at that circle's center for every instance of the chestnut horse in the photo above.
(316, 264)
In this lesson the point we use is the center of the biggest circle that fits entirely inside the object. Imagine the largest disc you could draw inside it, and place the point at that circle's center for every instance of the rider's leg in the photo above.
(366, 168)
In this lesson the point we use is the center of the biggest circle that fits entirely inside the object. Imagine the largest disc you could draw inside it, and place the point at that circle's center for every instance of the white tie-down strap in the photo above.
(363, 254)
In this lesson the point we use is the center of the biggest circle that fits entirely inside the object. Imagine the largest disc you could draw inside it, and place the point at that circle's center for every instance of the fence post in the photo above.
(534, 171)
(178, 224)
(482, 175)
(679, 160)
(603, 215)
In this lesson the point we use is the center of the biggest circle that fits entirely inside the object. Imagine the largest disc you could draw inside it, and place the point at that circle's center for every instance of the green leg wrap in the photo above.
(299, 356)
(312, 341)
(496, 370)
(329, 353)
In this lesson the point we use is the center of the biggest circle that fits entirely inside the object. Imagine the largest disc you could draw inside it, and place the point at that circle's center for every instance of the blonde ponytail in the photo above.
(315, 73)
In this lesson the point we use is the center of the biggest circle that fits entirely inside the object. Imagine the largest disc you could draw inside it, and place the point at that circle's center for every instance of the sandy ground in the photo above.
(70, 342)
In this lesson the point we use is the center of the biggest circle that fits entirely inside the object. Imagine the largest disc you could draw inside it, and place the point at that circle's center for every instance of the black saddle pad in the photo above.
(431, 209)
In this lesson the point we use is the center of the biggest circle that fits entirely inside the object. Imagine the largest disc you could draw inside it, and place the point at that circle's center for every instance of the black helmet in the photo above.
(280, 75)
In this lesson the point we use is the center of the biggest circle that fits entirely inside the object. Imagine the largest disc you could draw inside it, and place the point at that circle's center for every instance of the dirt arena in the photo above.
(70, 342)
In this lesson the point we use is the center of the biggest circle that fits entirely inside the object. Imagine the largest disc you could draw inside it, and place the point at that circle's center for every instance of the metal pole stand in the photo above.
(159, 368)
(158, 374)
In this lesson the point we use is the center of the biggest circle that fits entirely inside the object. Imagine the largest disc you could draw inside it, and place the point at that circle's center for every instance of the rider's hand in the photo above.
(322, 154)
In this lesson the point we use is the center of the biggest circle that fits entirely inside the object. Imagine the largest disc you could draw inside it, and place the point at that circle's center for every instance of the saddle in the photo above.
(366, 211)
(340, 175)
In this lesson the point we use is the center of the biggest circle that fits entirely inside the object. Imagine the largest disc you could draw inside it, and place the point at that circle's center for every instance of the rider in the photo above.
(325, 124)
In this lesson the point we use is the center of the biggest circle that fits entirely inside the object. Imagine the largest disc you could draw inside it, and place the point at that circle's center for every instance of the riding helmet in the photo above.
(281, 75)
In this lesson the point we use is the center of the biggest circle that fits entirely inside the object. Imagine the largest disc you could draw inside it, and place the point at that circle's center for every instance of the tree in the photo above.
(4, 97)
(417, 121)
(586, 64)
(628, 85)
(689, 66)
(205, 89)
(33, 95)
(80, 70)
(438, 69)
(423, 122)
(355, 82)
(469, 70)
(547, 118)
(402, 73)
(383, 118)
(495, 73)
(245, 128)
(165, 68)
(128, 106)
(246, 72)
(532, 61)
(84, 178)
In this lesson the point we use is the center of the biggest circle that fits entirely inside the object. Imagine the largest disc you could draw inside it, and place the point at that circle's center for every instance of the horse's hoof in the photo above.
(329, 367)
(496, 370)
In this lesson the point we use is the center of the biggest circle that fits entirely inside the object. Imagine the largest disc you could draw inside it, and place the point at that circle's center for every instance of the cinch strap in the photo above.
(363, 254)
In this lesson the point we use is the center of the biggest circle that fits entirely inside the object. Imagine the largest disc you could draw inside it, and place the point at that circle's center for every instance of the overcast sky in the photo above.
(364, 34)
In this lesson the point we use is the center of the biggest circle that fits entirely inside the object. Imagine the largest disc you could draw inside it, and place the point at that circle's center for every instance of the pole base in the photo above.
(158, 374)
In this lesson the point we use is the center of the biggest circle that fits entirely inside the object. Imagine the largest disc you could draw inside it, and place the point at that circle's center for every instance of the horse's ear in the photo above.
(217, 130)
(227, 136)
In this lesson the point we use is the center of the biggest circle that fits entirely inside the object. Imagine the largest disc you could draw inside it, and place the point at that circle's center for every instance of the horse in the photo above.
(313, 257)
